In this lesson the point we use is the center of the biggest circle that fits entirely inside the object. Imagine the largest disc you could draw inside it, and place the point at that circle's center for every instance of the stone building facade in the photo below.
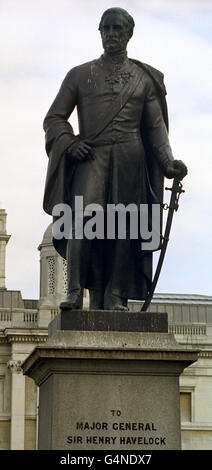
(24, 323)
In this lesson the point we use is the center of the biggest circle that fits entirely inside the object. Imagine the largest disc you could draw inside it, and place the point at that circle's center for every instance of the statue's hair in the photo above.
(126, 15)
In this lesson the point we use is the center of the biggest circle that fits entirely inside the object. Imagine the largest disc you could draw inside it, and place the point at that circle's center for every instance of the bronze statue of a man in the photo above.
(121, 155)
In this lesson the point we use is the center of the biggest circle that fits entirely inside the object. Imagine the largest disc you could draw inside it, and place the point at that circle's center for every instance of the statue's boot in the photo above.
(76, 256)
(114, 302)
(96, 299)
(74, 300)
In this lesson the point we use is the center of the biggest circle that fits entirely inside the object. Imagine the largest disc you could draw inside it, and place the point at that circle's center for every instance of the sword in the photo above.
(176, 190)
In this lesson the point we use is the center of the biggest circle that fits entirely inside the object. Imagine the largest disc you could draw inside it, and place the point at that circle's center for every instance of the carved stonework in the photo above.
(51, 274)
(65, 280)
(15, 366)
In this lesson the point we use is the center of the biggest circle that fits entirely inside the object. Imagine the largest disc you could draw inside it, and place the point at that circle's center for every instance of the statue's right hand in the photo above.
(80, 151)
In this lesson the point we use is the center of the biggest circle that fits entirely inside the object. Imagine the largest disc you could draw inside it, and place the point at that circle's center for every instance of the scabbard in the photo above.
(176, 190)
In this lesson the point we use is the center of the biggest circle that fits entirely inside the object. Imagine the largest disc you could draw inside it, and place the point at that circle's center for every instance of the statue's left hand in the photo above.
(176, 169)
(80, 151)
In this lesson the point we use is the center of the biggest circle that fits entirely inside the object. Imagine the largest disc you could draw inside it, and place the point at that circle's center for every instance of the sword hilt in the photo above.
(176, 190)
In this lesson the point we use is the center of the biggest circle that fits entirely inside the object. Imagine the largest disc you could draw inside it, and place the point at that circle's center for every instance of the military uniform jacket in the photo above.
(129, 154)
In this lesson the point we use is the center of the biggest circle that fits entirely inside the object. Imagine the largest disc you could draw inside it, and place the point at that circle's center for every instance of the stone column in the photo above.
(17, 406)
(3, 242)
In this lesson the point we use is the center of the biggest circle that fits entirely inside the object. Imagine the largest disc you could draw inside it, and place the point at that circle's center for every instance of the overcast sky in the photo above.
(40, 41)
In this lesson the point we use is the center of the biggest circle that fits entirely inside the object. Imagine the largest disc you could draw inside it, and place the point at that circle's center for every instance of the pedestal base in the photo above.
(108, 320)
(109, 390)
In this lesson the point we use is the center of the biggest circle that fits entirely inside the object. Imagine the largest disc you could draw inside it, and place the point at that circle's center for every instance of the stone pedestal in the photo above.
(109, 382)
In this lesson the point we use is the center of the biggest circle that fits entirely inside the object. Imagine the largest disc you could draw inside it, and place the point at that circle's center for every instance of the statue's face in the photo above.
(114, 33)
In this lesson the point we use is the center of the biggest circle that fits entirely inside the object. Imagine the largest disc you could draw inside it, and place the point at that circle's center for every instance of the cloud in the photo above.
(42, 41)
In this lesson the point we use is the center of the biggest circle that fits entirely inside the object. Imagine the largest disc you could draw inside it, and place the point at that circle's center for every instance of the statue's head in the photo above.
(116, 28)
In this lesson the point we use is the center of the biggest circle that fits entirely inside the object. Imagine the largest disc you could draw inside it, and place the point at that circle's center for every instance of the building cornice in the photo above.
(4, 237)
(180, 299)
(24, 336)
(206, 353)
